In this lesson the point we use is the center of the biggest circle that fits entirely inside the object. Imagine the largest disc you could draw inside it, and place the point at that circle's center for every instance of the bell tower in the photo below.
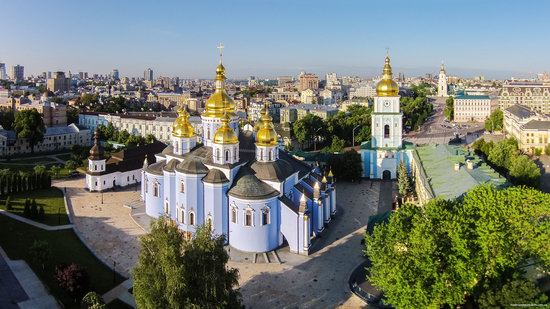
(387, 123)
(442, 87)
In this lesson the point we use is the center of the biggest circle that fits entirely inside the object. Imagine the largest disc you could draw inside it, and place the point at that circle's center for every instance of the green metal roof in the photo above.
(438, 162)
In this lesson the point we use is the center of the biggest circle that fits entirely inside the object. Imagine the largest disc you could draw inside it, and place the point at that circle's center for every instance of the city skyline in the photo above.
(174, 40)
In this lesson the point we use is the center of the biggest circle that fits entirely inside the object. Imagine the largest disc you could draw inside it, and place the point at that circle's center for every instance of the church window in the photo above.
(166, 207)
(181, 215)
(146, 185)
(128, 178)
(261, 154)
(235, 153)
(156, 189)
(387, 131)
(182, 186)
(270, 155)
(226, 155)
(217, 154)
(208, 133)
(265, 216)
(95, 167)
(191, 218)
(234, 214)
(248, 217)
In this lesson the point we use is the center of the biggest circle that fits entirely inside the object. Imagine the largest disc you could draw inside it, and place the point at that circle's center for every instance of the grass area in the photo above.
(64, 156)
(65, 247)
(51, 199)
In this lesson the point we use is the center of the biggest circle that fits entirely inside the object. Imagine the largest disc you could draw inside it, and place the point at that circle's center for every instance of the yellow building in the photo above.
(530, 129)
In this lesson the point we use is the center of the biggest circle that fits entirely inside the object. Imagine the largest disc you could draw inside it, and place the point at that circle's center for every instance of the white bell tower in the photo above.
(442, 87)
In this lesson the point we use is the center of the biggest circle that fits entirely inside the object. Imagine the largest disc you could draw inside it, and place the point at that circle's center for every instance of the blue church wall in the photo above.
(154, 203)
(289, 227)
(257, 237)
(170, 193)
(215, 205)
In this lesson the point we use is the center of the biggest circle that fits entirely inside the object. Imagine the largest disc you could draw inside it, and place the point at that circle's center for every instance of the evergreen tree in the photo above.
(403, 181)
(172, 270)
(92, 300)
(34, 209)
(27, 209)
(8, 203)
(41, 214)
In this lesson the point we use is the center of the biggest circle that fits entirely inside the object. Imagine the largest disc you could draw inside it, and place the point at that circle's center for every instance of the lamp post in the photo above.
(114, 272)
(102, 197)
(353, 135)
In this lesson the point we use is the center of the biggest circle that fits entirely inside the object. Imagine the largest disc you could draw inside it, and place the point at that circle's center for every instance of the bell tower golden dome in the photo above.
(225, 134)
(219, 102)
(387, 87)
(182, 128)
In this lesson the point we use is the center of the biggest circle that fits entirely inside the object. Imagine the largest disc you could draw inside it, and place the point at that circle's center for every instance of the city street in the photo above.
(437, 130)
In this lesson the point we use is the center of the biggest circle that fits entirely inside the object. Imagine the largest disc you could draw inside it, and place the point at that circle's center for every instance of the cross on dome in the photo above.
(221, 47)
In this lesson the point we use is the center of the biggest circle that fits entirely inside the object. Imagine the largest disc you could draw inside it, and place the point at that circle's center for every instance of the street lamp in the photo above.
(114, 272)
(353, 135)
(101, 196)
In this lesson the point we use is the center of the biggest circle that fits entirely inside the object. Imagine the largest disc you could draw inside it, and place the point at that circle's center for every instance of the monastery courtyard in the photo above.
(319, 280)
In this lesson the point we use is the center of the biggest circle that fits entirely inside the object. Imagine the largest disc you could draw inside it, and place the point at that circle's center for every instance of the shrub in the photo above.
(34, 209)
(8, 203)
(92, 300)
(538, 152)
(40, 252)
(41, 213)
(72, 278)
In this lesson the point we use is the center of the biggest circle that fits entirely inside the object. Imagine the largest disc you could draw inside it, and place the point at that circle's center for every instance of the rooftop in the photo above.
(438, 162)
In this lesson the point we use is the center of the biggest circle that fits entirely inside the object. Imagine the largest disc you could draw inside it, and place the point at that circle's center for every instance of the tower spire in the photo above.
(221, 47)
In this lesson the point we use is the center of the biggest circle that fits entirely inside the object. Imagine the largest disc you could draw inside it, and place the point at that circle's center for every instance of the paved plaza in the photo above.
(315, 281)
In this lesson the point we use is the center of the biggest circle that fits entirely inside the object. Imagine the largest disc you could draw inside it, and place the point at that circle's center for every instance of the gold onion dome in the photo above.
(182, 127)
(266, 135)
(225, 134)
(219, 102)
(386, 87)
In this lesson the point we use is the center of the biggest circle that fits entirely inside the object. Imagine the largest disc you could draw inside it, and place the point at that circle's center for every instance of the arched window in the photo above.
(182, 186)
(166, 207)
(226, 155)
(235, 153)
(191, 218)
(387, 131)
(248, 219)
(234, 214)
(146, 185)
(261, 154)
(270, 155)
(156, 189)
(181, 215)
(208, 133)
(265, 216)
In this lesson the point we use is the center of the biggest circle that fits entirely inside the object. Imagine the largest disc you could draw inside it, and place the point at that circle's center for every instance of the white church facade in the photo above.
(240, 183)
(382, 155)
(442, 87)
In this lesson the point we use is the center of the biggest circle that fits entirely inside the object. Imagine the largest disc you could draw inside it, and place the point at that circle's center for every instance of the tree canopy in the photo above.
(30, 125)
(495, 122)
(175, 272)
(448, 253)
(450, 108)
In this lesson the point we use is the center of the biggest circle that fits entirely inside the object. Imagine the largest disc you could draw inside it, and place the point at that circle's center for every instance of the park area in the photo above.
(51, 200)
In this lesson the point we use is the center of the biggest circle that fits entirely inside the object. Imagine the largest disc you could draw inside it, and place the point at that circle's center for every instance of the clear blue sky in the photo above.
(266, 38)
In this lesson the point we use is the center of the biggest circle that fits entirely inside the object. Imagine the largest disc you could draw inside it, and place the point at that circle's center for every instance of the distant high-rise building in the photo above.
(17, 73)
(115, 74)
(148, 74)
(252, 81)
(308, 81)
(59, 83)
(442, 87)
(3, 74)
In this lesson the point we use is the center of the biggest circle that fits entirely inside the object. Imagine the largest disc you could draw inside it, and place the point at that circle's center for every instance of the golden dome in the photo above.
(225, 134)
(386, 87)
(266, 135)
(182, 127)
(219, 102)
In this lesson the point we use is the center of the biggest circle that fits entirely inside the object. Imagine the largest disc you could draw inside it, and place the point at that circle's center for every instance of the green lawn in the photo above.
(64, 156)
(65, 247)
(51, 199)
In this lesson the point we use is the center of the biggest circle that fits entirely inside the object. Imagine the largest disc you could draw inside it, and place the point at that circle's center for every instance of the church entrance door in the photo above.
(386, 175)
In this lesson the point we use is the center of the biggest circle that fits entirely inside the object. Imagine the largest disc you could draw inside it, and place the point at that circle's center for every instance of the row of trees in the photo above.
(110, 133)
(417, 108)
(20, 181)
(29, 124)
(470, 252)
(506, 158)
(33, 211)
(449, 108)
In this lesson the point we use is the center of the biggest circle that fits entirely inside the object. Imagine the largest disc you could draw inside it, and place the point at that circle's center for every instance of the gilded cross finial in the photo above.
(221, 47)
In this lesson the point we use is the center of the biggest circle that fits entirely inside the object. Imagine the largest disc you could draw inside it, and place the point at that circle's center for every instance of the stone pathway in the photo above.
(105, 227)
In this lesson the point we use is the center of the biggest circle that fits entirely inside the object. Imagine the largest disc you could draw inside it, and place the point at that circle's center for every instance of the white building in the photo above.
(442, 87)
(470, 108)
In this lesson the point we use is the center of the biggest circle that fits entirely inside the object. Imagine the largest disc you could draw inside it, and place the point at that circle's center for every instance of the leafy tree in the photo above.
(55, 169)
(123, 136)
(515, 291)
(538, 152)
(72, 114)
(40, 252)
(525, 171)
(449, 108)
(346, 166)
(173, 270)
(71, 165)
(502, 153)
(449, 253)
(495, 122)
(336, 146)
(7, 118)
(30, 125)
(39, 169)
(150, 138)
(73, 278)
(92, 300)
(308, 128)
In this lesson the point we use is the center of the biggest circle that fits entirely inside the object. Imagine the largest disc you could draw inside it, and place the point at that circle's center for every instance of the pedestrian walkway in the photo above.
(121, 292)
(34, 223)
(20, 287)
